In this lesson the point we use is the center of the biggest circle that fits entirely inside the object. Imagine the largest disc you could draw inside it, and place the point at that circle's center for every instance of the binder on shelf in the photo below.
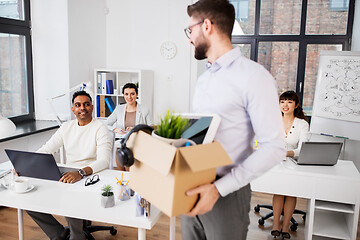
(109, 86)
(103, 83)
(102, 106)
(99, 83)
(110, 104)
(97, 106)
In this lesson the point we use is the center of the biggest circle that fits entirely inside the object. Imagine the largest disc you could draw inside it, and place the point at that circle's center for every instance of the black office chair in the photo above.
(88, 229)
(261, 221)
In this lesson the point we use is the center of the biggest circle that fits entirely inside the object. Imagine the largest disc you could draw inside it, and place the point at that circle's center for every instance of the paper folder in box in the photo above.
(162, 173)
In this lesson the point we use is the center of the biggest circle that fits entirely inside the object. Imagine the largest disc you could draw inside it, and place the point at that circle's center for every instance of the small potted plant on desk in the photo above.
(107, 197)
(171, 127)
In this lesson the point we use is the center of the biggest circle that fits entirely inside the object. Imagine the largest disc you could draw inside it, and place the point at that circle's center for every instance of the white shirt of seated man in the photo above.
(86, 141)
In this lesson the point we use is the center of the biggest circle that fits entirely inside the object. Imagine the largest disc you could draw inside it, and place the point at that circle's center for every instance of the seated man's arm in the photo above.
(103, 150)
(53, 144)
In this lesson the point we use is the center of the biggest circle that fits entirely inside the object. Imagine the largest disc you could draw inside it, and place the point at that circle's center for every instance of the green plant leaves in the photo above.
(172, 126)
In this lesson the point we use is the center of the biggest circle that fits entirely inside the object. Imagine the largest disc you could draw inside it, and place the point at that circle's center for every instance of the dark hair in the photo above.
(291, 95)
(220, 12)
(80, 93)
(130, 85)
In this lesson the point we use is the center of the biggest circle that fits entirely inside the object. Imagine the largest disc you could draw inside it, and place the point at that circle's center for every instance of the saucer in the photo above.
(11, 188)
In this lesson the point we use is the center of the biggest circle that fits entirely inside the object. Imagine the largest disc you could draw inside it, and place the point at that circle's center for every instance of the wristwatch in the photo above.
(82, 173)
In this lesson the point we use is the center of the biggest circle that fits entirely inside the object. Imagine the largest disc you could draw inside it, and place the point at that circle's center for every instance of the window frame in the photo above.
(23, 28)
(303, 39)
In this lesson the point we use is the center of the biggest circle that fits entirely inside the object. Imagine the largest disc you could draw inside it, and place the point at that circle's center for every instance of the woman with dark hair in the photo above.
(126, 116)
(296, 132)
(130, 114)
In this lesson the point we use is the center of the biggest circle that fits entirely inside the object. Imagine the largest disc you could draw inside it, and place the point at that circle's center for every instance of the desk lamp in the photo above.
(80, 87)
(7, 127)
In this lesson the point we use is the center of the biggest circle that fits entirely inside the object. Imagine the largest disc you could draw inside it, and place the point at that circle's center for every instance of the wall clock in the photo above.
(168, 50)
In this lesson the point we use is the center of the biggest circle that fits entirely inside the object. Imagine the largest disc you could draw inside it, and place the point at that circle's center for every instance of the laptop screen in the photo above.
(36, 165)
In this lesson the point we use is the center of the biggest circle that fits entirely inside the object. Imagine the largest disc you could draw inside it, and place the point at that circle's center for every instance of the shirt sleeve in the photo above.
(103, 150)
(304, 136)
(262, 107)
(148, 118)
(54, 143)
(112, 119)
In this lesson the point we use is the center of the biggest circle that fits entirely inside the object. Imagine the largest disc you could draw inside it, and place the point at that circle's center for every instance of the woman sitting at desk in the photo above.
(296, 132)
(126, 116)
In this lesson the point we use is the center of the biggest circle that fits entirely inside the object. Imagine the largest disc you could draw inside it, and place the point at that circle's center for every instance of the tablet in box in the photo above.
(162, 173)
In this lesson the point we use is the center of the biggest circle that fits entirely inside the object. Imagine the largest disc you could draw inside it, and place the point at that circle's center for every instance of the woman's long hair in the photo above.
(291, 95)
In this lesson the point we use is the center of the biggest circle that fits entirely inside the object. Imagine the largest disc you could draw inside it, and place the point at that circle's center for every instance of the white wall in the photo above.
(135, 31)
(355, 46)
(50, 55)
(87, 39)
(68, 39)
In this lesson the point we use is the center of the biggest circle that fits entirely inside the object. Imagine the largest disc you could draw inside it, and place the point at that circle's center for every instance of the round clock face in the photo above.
(168, 50)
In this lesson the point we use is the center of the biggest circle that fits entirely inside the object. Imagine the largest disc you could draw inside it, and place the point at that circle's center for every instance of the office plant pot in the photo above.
(107, 201)
(166, 140)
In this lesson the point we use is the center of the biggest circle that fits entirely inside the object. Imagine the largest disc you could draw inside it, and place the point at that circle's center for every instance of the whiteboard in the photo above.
(336, 108)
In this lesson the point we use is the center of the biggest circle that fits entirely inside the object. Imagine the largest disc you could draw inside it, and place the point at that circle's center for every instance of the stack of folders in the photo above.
(105, 83)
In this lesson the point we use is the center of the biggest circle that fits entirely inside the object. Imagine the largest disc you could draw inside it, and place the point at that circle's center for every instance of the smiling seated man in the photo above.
(87, 145)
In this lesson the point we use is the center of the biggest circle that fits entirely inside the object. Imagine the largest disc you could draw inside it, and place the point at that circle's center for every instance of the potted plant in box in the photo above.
(171, 127)
(107, 196)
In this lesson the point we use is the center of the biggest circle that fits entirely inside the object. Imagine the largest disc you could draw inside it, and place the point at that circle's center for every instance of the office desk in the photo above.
(78, 201)
(333, 194)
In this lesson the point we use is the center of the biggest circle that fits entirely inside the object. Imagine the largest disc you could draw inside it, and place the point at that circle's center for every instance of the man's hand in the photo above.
(70, 177)
(208, 197)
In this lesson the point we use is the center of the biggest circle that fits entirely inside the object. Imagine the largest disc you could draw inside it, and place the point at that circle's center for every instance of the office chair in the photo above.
(294, 225)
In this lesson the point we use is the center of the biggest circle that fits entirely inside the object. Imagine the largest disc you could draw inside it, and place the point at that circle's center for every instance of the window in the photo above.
(286, 37)
(16, 91)
(339, 5)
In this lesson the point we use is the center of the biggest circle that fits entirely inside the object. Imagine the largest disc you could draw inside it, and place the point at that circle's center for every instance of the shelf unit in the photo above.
(143, 78)
(333, 220)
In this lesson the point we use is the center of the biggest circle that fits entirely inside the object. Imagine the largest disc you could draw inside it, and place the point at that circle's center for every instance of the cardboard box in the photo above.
(162, 173)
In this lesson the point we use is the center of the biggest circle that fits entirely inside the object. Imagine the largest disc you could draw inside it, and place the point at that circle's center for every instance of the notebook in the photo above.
(319, 153)
(36, 165)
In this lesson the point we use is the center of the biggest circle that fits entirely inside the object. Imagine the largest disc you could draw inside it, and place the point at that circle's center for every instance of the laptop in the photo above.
(36, 165)
(319, 153)
(203, 127)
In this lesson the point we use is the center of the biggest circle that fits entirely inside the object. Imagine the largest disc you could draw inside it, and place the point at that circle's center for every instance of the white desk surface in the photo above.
(288, 178)
(76, 200)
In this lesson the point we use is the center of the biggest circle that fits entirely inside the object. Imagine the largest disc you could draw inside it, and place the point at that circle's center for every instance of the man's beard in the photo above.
(201, 50)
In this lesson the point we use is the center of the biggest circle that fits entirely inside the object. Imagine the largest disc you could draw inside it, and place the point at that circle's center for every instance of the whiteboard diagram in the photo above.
(338, 87)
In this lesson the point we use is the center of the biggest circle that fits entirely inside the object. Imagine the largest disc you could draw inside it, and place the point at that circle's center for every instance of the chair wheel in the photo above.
(261, 221)
(257, 208)
(113, 231)
(293, 228)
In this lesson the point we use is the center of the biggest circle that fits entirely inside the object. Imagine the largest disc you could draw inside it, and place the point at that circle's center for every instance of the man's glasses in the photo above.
(92, 180)
(188, 29)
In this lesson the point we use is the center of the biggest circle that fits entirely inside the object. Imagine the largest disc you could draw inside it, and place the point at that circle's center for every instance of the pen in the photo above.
(122, 176)
(256, 142)
(342, 137)
(118, 181)
(127, 182)
(329, 135)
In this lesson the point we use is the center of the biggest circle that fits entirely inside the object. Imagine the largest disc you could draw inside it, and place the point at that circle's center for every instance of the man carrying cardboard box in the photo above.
(244, 95)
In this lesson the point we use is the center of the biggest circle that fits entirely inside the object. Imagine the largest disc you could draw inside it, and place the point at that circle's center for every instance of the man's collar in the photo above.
(224, 60)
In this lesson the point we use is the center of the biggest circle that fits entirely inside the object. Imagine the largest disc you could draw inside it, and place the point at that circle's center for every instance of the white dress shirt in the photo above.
(244, 95)
(298, 133)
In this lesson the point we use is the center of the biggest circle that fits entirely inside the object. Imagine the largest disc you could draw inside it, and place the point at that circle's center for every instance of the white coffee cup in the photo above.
(21, 184)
